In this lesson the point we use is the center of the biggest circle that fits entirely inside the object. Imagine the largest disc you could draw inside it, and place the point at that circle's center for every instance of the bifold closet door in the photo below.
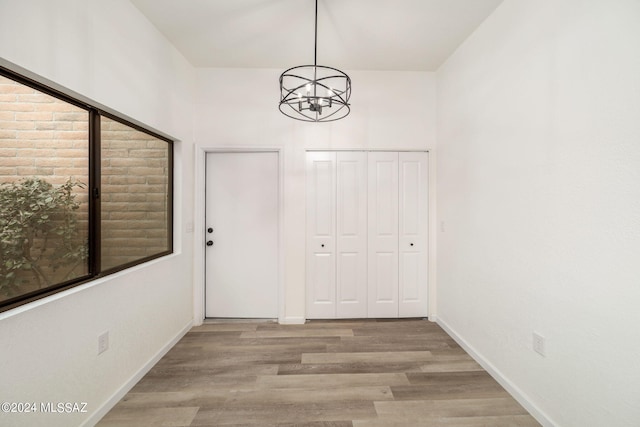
(413, 234)
(336, 235)
(383, 234)
(398, 238)
(351, 234)
(321, 235)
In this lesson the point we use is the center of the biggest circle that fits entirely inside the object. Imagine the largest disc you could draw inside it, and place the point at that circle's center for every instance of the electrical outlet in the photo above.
(103, 342)
(538, 344)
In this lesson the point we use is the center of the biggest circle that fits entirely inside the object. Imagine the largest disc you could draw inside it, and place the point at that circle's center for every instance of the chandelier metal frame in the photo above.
(308, 91)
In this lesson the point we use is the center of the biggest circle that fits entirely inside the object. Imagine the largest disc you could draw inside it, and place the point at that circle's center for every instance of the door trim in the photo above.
(199, 263)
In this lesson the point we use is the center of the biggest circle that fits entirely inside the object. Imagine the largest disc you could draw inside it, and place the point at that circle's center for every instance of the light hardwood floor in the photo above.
(323, 374)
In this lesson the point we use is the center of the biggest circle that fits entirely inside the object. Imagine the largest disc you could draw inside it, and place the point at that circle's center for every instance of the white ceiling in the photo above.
(352, 34)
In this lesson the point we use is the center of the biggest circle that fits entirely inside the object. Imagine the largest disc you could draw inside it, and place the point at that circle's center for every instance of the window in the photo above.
(83, 193)
(135, 194)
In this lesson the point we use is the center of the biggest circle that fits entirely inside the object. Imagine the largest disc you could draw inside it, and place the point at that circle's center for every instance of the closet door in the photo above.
(321, 232)
(351, 236)
(367, 237)
(383, 234)
(413, 230)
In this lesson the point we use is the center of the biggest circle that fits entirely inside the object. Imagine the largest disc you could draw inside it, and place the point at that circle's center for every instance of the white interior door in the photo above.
(413, 238)
(242, 201)
(351, 234)
(383, 234)
(321, 235)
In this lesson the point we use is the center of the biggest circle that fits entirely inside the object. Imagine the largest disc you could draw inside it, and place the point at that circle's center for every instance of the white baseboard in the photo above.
(292, 320)
(122, 391)
(511, 388)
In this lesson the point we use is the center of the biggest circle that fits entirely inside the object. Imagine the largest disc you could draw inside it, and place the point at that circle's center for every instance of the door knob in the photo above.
(209, 230)
(411, 244)
(210, 243)
(322, 245)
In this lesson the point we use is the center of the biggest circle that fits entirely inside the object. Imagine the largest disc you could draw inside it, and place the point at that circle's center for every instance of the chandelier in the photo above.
(315, 93)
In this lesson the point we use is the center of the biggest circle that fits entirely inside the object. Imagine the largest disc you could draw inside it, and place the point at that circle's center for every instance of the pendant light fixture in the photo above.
(315, 93)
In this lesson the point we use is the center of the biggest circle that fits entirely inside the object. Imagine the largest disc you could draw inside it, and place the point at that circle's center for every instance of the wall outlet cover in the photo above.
(539, 344)
(103, 342)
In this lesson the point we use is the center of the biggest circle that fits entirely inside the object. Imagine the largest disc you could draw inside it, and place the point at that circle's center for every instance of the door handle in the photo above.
(210, 243)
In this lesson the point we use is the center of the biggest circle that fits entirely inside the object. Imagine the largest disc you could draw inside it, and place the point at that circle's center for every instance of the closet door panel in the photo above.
(413, 234)
(322, 265)
(321, 231)
(383, 234)
(351, 237)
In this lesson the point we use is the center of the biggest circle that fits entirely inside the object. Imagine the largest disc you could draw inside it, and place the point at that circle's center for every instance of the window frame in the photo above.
(94, 191)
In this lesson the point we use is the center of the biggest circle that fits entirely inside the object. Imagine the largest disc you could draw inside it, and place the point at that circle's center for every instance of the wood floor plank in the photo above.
(349, 368)
(260, 414)
(199, 334)
(368, 346)
(294, 346)
(303, 395)
(331, 380)
(319, 324)
(247, 358)
(400, 341)
(435, 378)
(470, 390)
(450, 366)
(192, 382)
(451, 408)
(291, 424)
(299, 332)
(364, 357)
(218, 327)
(318, 424)
(149, 417)
(200, 398)
(322, 374)
(282, 340)
(409, 328)
(188, 368)
(411, 421)
(452, 355)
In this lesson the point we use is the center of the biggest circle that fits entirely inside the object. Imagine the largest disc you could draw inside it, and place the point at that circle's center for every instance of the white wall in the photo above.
(239, 109)
(108, 52)
(539, 191)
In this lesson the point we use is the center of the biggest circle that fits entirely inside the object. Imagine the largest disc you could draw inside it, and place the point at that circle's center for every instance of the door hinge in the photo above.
(96, 193)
